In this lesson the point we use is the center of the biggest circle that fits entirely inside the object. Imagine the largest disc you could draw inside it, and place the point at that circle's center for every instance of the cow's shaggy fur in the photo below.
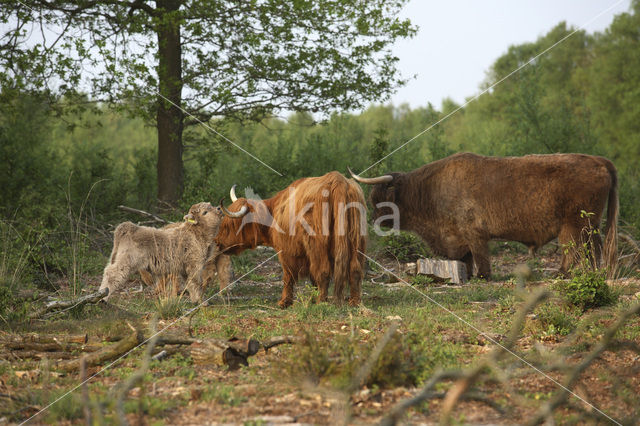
(459, 203)
(181, 250)
(318, 227)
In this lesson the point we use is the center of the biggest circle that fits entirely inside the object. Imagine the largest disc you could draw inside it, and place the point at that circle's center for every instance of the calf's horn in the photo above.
(243, 210)
(232, 193)
(371, 181)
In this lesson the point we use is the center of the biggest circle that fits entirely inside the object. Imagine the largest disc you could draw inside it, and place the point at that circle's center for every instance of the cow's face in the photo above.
(380, 197)
(204, 214)
(384, 199)
(238, 230)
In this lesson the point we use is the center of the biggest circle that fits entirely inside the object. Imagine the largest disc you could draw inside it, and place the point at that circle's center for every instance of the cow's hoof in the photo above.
(284, 304)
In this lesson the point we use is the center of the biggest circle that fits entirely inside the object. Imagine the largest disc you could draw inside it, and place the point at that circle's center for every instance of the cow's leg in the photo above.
(356, 266)
(468, 261)
(480, 252)
(146, 277)
(290, 272)
(320, 276)
(209, 271)
(568, 238)
(224, 269)
(194, 281)
(320, 271)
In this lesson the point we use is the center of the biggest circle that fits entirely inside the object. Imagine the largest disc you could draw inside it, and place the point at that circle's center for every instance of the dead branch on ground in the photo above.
(63, 305)
(232, 353)
(105, 354)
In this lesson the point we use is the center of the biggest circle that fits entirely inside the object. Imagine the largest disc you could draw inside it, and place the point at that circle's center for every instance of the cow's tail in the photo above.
(349, 243)
(611, 230)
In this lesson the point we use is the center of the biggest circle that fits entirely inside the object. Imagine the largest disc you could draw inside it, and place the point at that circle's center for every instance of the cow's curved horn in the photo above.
(243, 210)
(232, 193)
(371, 181)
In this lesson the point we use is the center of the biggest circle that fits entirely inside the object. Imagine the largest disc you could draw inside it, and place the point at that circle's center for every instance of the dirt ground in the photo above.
(270, 389)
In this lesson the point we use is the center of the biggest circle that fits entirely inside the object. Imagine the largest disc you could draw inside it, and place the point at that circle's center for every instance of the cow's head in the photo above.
(383, 197)
(242, 228)
(204, 214)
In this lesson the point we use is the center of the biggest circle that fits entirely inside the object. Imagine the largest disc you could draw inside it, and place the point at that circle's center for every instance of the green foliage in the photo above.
(406, 360)
(404, 246)
(552, 319)
(421, 280)
(588, 288)
(246, 62)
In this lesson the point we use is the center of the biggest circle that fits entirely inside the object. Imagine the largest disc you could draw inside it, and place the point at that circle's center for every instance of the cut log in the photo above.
(452, 270)
(36, 354)
(232, 353)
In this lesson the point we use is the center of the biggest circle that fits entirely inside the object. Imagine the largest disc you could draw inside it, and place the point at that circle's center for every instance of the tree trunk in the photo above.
(169, 116)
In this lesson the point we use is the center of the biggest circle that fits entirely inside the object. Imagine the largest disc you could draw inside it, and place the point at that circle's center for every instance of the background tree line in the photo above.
(62, 165)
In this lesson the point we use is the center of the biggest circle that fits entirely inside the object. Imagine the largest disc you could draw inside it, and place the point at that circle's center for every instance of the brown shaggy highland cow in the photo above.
(318, 227)
(460, 203)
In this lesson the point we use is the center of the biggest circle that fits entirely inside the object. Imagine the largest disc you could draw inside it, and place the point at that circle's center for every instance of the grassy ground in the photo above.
(311, 382)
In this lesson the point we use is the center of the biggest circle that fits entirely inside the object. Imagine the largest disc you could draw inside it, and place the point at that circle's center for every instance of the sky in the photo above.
(458, 40)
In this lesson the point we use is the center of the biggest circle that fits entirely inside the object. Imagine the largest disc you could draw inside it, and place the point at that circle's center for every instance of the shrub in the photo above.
(404, 246)
(588, 289)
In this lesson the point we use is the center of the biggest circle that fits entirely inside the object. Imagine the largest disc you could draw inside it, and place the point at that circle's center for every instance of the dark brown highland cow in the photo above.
(318, 226)
(459, 203)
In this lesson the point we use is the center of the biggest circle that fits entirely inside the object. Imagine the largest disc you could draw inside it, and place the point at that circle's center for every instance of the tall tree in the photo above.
(180, 62)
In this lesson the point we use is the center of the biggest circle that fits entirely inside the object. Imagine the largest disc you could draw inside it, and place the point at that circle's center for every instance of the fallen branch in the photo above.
(145, 214)
(105, 354)
(279, 340)
(36, 354)
(60, 305)
(232, 353)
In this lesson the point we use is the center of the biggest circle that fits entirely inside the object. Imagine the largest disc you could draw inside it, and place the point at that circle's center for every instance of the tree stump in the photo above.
(452, 270)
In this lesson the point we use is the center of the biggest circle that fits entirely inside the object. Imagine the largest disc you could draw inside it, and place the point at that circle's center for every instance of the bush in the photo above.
(588, 289)
(404, 246)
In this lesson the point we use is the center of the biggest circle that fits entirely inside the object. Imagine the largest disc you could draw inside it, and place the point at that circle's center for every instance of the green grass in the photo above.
(339, 339)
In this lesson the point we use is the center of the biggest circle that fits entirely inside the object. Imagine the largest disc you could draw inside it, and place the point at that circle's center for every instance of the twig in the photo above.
(63, 305)
(145, 214)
